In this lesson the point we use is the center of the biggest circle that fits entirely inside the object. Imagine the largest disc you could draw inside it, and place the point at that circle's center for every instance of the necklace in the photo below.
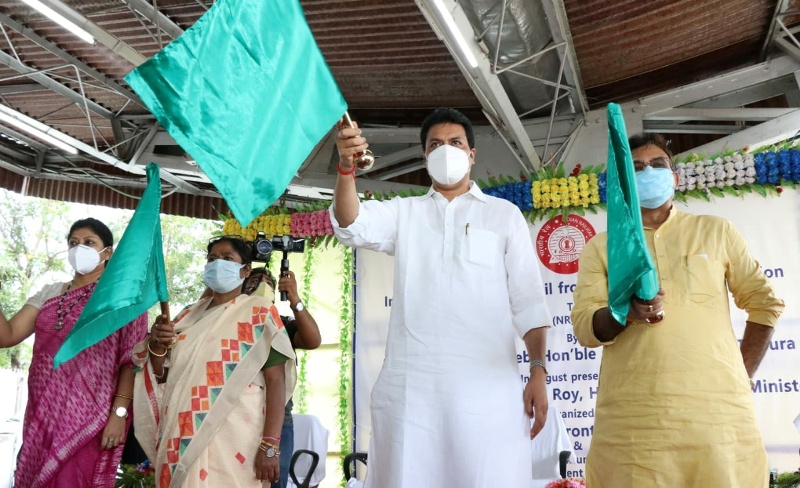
(61, 313)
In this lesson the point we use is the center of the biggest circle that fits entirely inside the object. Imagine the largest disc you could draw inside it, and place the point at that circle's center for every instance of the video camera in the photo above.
(263, 248)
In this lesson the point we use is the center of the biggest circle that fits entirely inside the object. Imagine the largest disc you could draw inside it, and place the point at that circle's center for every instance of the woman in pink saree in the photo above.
(77, 415)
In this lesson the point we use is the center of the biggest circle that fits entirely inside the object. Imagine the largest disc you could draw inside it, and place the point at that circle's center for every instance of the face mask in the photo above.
(266, 291)
(83, 259)
(655, 186)
(447, 165)
(223, 276)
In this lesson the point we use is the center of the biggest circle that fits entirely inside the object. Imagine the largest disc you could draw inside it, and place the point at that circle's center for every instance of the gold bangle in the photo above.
(154, 353)
(124, 396)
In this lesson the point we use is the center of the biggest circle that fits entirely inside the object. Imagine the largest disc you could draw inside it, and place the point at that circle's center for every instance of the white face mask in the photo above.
(266, 291)
(83, 259)
(447, 165)
(223, 276)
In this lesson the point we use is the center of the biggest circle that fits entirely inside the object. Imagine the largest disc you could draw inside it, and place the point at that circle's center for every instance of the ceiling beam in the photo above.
(52, 48)
(485, 84)
(155, 16)
(716, 86)
(718, 114)
(768, 132)
(401, 156)
(556, 14)
(781, 6)
(52, 84)
(674, 128)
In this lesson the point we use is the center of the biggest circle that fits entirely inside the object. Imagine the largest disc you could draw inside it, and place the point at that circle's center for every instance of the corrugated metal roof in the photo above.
(388, 62)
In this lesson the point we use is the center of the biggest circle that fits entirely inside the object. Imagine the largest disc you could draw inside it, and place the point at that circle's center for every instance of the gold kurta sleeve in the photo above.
(591, 292)
(751, 289)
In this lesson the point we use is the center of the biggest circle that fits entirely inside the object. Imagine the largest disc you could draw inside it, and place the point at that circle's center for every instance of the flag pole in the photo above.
(165, 310)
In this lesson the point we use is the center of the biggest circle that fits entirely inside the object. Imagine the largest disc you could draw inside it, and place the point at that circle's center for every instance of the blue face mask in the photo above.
(223, 276)
(655, 186)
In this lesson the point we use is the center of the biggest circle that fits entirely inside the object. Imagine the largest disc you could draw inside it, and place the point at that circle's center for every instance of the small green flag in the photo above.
(630, 267)
(248, 94)
(133, 281)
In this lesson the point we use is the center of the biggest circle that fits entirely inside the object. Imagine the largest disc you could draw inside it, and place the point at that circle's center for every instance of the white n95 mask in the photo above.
(447, 165)
(83, 259)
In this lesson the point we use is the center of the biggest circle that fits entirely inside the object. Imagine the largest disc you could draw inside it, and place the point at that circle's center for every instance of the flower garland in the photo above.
(309, 262)
(345, 353)
(550, 191)
(567, 483)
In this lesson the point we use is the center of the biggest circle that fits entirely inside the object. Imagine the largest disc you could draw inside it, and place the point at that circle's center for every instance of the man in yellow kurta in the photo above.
(674, 406)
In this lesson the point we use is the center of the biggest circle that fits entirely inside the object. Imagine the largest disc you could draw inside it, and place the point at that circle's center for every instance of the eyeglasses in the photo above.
(660, 162)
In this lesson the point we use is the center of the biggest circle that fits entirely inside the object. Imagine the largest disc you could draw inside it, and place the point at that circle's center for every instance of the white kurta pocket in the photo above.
(483, 247)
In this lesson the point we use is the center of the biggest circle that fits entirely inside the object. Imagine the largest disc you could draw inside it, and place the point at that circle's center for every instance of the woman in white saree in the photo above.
(210, 393)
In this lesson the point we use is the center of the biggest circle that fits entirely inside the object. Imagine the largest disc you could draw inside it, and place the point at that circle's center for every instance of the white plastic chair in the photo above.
(310, 452)
(548, 447)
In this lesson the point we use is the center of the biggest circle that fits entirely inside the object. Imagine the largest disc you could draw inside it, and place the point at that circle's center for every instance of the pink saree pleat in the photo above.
(68, 408)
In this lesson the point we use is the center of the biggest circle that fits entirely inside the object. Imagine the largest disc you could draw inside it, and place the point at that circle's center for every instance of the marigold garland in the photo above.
(551, 192)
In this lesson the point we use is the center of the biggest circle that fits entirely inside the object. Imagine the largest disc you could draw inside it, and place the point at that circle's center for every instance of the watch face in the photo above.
(300, 307)
(270, 452)
(121, 412)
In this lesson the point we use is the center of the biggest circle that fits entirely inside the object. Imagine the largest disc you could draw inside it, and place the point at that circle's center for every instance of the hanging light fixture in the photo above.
(61, 20)
(35, 128)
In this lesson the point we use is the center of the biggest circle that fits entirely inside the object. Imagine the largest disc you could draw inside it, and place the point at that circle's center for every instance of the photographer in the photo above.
(303, 334)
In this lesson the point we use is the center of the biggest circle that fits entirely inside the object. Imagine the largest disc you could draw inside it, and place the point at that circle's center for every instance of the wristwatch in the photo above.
(271, 450)
(121, 412)
(299, 307)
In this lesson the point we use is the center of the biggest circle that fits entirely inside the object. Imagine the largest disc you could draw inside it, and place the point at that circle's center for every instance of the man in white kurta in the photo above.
(448, 408)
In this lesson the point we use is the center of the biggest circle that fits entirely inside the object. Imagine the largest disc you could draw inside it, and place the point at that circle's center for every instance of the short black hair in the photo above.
(445, 115)
(644, 139)
(99, 228)
(242, 248)
(264, 271)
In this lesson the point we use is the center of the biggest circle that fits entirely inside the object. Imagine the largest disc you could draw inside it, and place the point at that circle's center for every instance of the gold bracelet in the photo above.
(154, 353)
(124, 396)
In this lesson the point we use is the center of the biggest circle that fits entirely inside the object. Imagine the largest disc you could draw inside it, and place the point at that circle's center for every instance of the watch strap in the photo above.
(539, 363)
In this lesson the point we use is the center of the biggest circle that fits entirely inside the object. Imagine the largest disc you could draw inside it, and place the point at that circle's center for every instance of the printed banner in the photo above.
(771, 227)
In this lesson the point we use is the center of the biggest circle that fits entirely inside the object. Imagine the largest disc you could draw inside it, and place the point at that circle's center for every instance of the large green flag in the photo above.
(248, 94)
(630, 268)
(134, 279)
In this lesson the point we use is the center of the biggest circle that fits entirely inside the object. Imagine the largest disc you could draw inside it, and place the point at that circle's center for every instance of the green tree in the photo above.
(33, 242)
(185, 241)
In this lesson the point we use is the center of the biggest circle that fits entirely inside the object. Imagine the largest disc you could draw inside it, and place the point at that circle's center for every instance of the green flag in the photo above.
(630, 268)
(134, 279)
(246, 92)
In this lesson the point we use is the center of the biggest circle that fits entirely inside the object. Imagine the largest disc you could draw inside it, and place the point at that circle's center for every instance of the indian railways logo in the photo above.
(559, 243)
